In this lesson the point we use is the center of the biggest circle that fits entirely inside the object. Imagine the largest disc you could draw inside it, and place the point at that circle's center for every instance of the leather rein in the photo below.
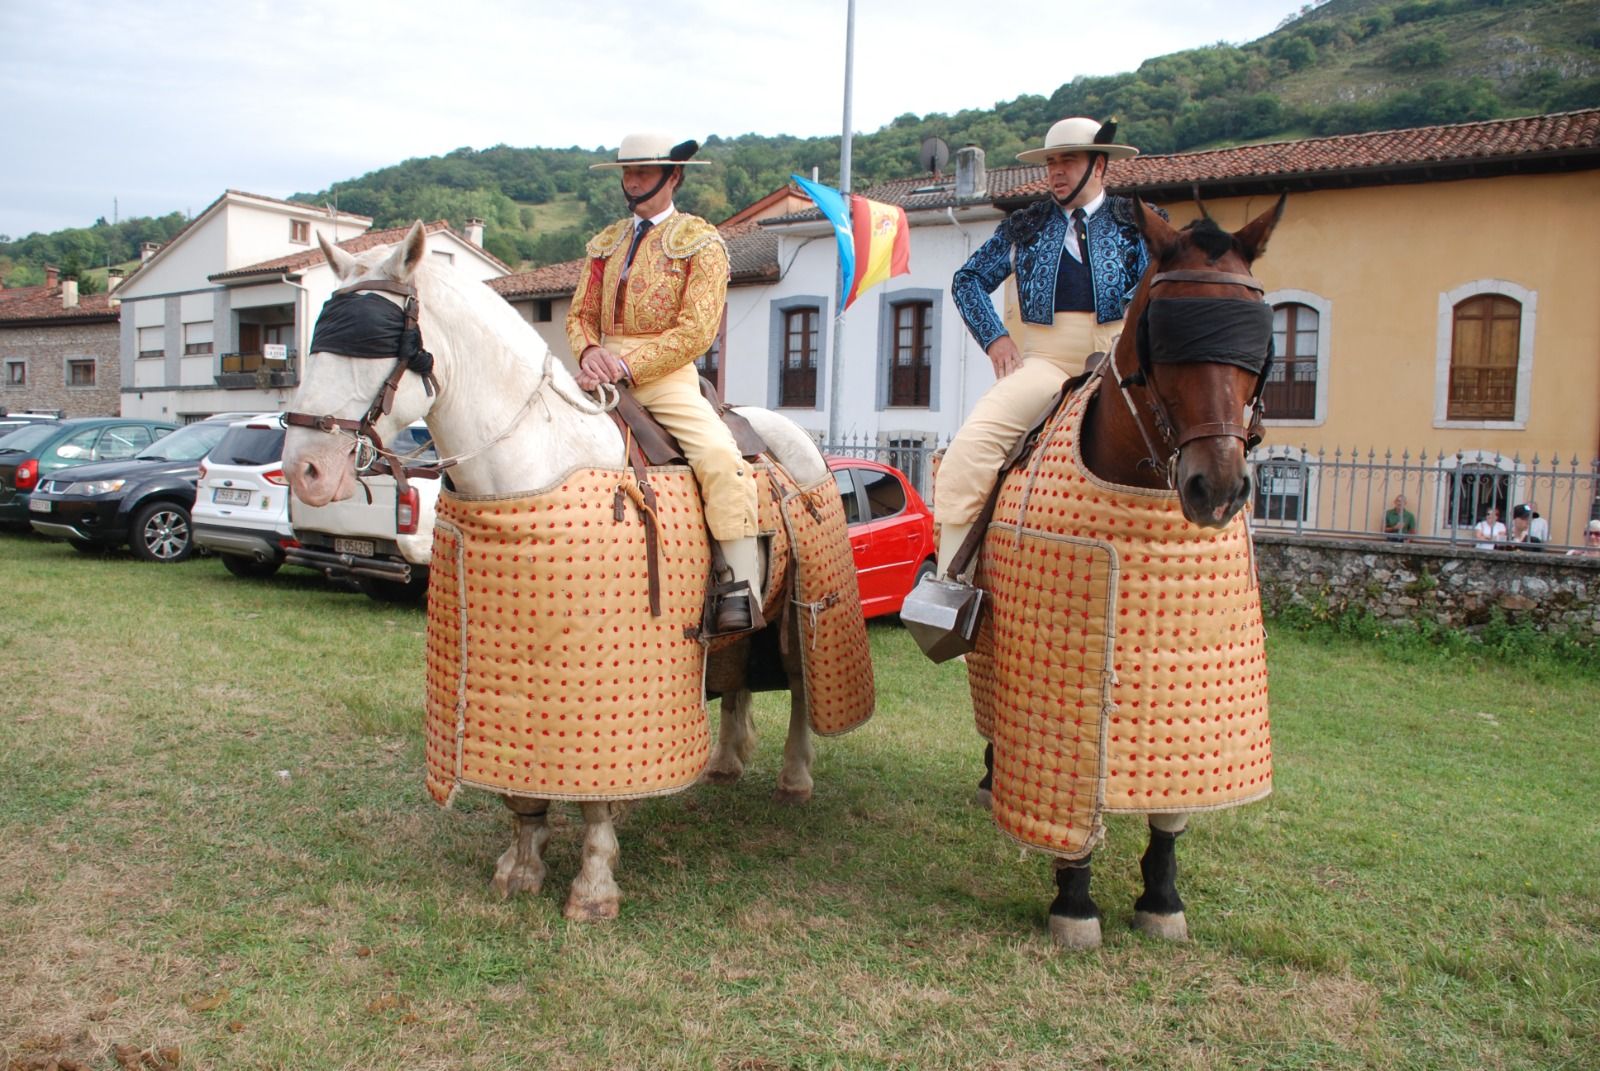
(1165, 426)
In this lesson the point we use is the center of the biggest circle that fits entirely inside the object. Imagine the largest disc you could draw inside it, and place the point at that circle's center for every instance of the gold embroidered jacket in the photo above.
(674, 295)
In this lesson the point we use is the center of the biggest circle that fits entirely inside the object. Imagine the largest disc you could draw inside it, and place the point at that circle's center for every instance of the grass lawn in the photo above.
(216, 852)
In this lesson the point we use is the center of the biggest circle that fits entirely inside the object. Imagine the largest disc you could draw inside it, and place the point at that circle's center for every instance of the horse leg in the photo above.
(794, 782)
(594, 892)
(1159, 911)
(984, 797)
(736, 739)
(521, 868)
(1074, 916)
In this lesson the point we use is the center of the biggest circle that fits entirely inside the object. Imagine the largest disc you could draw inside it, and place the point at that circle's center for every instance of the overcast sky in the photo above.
(160, 105)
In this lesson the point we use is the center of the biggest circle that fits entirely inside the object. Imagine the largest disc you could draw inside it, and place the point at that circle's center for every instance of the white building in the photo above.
(217, 319)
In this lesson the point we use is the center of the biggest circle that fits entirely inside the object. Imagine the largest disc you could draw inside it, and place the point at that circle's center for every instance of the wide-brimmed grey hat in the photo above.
(1079, 134)
(652, 149)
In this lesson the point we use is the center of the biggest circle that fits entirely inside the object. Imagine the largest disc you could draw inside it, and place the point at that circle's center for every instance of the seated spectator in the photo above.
(1399, 522)
(1591, 542)
(1491, 531)
(1528, 530)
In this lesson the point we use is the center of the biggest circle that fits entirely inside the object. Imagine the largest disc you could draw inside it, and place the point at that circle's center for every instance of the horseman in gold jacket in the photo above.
(648, 305)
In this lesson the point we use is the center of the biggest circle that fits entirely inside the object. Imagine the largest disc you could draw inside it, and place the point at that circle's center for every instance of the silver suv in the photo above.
(241, 508)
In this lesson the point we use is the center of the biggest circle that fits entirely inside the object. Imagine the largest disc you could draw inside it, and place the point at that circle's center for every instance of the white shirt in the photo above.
(1492, 535)
(1071, 241)
(656, 220)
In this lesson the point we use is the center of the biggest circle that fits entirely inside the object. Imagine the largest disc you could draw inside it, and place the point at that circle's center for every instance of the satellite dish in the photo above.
(934, 155)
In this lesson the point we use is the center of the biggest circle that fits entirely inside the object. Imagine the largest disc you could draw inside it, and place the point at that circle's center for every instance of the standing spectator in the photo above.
(1399, 522)
(1491, 531)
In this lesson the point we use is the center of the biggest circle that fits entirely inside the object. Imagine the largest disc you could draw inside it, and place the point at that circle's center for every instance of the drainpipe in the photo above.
(966, 336)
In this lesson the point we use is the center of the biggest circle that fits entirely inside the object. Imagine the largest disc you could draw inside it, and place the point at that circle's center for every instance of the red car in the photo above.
(891, 531)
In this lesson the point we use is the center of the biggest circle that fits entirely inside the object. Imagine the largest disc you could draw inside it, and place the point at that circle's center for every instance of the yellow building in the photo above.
(1437, 296)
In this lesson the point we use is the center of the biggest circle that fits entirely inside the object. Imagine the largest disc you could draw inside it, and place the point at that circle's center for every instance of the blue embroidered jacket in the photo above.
(1117, 260)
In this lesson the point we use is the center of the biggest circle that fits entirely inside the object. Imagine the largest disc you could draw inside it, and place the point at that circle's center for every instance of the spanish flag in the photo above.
(874, 238)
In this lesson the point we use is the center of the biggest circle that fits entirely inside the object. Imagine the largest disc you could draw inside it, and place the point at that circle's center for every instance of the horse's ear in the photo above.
(341, 262)
(1252, 237)
(408, 254)
(1158, 233)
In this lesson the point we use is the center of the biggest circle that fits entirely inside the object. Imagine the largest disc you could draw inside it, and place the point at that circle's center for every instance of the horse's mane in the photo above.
(1210, 237)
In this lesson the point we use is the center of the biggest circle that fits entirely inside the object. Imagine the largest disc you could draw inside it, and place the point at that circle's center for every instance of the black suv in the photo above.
(143, 501)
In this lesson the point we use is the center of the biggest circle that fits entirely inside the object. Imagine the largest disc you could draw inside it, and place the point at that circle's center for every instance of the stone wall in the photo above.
(47, 348)
(1458, 587)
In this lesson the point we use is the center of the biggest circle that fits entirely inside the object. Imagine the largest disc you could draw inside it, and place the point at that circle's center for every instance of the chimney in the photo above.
(147, 250)
(475, 231)
(69, 293)
(114, 277)
(52, 275)
(972, 180)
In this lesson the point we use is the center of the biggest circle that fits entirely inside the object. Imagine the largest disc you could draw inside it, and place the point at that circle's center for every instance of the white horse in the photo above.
(516, 419)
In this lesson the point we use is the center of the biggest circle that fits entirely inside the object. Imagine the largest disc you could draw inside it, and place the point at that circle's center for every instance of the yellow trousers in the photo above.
(727, 483)
(1050, 356)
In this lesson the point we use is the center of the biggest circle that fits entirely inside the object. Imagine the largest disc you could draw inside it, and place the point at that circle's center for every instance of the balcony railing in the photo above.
(240, 371)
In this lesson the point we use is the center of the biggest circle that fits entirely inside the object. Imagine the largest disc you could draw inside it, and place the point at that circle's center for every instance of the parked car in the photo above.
(891, 531)
(142, 501)
(383, 545)
(30, 454)
(10, 422)
(241, 507)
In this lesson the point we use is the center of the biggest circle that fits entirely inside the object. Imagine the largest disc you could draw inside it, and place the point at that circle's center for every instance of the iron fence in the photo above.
(1347, 493)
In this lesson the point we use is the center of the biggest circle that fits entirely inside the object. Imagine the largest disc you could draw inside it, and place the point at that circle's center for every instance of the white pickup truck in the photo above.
(382, 545)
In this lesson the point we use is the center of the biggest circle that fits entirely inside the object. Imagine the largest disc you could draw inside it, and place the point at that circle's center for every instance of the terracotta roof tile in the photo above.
(44, 303)
(1531, 137)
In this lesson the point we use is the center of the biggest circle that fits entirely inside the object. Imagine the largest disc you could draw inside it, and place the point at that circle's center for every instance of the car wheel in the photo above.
(249, 568)
(161, 533)
(400, 591)
(925, 570)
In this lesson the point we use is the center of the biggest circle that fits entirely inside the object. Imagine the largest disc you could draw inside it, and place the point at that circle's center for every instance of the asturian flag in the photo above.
(874, 238)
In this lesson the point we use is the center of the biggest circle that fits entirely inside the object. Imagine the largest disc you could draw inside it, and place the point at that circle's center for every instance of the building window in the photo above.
(300, 231)
(1483, 355)
(910, 360)
(1291, 389)
(1472, 490)
(908, 455)
(197, 337)
(152, 341)
(1281, 490)
(1483, 359)
(80, 372)
(542, 311)
(709, 363)
(797, 386)
(16, 373)
(445, 255)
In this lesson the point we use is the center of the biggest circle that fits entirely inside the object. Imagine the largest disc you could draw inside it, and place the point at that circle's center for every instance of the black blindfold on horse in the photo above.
(364, 324)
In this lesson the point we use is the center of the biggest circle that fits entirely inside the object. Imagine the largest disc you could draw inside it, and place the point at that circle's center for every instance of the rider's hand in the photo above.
(1005, 356)
(599, 365)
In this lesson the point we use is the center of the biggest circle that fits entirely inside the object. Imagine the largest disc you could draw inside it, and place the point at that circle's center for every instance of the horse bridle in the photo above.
(409, 356)
(1165, 426)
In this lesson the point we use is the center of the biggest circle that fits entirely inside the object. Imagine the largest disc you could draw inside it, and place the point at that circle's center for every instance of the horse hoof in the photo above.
(723, 777)
(1078, 935)
(983, 799)
(580, 910)
(512, 877)
(1171, 927)
(792, 797)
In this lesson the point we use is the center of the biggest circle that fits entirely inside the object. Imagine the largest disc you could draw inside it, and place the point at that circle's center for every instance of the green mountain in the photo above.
(1340, 66)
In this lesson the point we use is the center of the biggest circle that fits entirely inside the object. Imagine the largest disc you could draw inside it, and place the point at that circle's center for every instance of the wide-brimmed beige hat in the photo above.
(1079, 134)
(644, 150)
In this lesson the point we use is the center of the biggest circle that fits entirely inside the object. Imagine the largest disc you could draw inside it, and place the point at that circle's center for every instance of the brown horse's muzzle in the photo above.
(1212, 480)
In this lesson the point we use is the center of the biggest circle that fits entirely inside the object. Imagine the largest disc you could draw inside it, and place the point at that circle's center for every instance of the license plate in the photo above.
(364, 547)
(232, 496)
(39, 505)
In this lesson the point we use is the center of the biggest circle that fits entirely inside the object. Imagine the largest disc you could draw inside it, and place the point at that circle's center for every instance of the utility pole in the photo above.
(834, 363)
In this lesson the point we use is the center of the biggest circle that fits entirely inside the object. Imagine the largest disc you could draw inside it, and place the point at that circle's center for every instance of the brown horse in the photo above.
(1153, 441)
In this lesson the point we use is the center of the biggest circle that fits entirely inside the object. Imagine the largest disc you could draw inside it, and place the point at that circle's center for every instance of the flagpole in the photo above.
(844, 188)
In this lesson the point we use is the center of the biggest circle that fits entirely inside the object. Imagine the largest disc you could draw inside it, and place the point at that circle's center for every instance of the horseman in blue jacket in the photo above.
(1070, 265)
